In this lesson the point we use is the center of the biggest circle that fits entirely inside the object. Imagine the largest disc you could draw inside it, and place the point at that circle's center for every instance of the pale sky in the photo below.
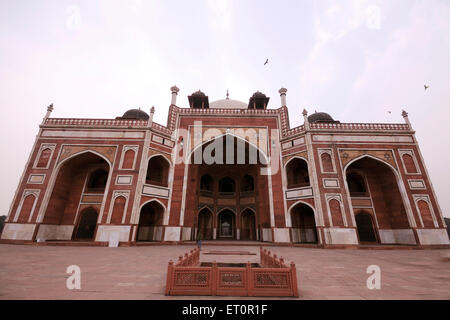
(356, 60)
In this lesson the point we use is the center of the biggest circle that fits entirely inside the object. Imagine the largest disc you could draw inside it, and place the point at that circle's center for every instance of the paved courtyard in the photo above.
(39, 272)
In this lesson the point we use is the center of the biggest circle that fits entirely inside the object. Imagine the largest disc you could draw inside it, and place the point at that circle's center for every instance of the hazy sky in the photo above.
(356, 60)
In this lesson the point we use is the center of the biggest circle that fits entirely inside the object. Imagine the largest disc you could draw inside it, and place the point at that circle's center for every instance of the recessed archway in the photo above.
(248, 225)
(205, 225)
(226, 224)
(69, 186)
(373, 184)
(303, 224)
(235, 181)
(150, 222)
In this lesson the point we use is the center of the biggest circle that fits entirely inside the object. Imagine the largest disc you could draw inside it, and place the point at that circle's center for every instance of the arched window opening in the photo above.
(97, 181)
(248, 184)
(297, 173)
(356, 185)
(158, 171)
(227, 186)
(206, 183)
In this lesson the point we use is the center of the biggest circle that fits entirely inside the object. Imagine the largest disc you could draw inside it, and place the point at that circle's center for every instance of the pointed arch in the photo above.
(227, 208)
(191, 153)
(374, 158)
(248, 208)
(302, 202)
(153, 200)
(397, 204)
(295, 157)
(158, 169)
(56, 174)
(151, 215)
(297, 173)
(82, 152)
(303, 223)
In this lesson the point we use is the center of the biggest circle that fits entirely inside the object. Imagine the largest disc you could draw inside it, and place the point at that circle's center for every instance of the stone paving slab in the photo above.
(39, 272)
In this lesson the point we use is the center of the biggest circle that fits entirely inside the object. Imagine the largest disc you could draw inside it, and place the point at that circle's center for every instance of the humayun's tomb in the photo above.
(225, 170)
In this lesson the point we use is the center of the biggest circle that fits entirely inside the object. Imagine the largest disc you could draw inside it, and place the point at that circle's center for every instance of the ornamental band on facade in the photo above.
(225, 170)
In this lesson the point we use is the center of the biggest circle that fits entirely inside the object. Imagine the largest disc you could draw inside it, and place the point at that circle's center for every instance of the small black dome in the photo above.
(258, 94)
(198, 94)
(320, 117)
(135, 114)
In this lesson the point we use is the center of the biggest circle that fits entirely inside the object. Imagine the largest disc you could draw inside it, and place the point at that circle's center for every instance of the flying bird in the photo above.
(389, 112)
(425, 86)
(267, 60)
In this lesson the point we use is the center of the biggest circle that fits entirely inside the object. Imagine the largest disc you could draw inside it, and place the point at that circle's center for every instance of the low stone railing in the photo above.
(272, 278)
(189, 259)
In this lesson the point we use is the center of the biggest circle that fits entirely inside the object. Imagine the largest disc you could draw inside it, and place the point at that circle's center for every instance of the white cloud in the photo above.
(332, 23)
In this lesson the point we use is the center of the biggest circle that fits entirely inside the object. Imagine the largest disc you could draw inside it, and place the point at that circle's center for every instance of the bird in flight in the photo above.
(389, 112)
(425, 86)
(267, 60)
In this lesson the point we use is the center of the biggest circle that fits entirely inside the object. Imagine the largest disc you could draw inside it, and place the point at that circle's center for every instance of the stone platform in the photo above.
(39, 272)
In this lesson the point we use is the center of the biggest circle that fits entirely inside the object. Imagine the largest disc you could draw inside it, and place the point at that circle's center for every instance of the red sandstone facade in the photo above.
(131, 179)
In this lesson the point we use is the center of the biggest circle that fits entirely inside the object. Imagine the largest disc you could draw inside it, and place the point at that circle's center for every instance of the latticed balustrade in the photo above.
(271, 278)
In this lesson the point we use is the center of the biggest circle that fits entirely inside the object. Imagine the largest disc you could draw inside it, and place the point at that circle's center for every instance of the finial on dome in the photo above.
(305, 113)
(404, 114)
(152, 110)
(50, 108)
(228, 95)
